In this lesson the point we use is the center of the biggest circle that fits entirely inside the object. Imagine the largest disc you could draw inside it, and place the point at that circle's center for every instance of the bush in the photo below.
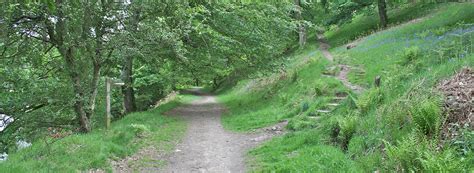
(405, 156)
(416, 154)
(300, 123)
(370, 99)
(357, 146)
(139, 130)
(348, 127)
(410, 55)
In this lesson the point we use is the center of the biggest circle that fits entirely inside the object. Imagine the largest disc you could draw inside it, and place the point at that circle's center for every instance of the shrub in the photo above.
(426, 116)
(410, 55)
(369, 99)
(464, 141)
(396, 114)
(348, 127)
(415, 154)
(139, 130)
(357, 146)
(405, 156)
(300, 123)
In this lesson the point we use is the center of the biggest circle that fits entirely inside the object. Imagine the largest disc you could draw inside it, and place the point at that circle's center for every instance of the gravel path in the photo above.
(207, 147)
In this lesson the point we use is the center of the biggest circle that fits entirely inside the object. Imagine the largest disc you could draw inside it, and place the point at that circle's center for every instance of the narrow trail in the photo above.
(345, 69)
(207, 146)
(324, 47)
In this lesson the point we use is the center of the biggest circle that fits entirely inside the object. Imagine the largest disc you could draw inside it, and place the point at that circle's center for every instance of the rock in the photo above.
(3, 157)
(21, 144)
(5, 120)
(350, 46)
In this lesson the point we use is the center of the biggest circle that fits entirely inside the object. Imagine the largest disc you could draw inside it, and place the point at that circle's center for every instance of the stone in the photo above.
(5, 120)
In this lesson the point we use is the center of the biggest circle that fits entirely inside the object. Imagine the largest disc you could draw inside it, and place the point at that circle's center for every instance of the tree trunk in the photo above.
(81, 114)
(382, 6)
(301, 29)
(94, 87)
(67, 54)
(127, 89)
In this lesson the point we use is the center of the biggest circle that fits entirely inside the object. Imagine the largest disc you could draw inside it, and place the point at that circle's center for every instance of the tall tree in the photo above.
(382, 8)
(127, 70)
(301, 28)
(76, 32)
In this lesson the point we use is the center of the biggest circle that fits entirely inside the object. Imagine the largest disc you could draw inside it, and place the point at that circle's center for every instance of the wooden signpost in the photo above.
(108, 84)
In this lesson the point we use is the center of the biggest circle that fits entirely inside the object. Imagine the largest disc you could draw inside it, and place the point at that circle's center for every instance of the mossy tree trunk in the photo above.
(382, 6)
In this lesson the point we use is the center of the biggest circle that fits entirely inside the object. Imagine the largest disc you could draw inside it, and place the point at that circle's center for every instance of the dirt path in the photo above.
(345, 69)
(343, 77)
(207, 147)
(324, 47)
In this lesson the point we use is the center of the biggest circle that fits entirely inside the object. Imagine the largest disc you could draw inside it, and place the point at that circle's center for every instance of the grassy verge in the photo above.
(81, 152)
(394, 127)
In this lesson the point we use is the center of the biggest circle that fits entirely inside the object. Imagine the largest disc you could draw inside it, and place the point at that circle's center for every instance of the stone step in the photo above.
(339, 98)
(314, 118)
(326, 75)
(332, 104)
(323, 111)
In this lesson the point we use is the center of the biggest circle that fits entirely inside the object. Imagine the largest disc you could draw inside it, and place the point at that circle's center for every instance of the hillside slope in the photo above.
(394, 127)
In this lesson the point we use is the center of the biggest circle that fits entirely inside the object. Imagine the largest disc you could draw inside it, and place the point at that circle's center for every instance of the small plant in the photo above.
(294, 77)
(410, 55)
(300, 123)
(424, 34)
(405, 156)
(371, 98)
(348, 127)
(357, 146)
(427, 116)
(464, 141)
(417, 154)
(440, 31)
(139, 130)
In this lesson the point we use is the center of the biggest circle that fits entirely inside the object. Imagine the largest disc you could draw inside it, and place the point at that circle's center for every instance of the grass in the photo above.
(391, 128)
(365, 25)
(81, 152)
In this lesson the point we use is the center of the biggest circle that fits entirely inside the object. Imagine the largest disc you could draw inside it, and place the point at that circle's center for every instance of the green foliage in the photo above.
(348, 127)
(300, 123)
(370, 99)
(427, 116)
(140, 130)
(380, 134)
(410, 55)
(357, 146)
(362, 25)
(463, 142)
(81, 152)
(418, 154)
(301, 151)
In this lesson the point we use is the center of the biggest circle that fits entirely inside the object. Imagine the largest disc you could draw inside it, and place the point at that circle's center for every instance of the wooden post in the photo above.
(109, 83)
(108, 114)
(377, 81)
